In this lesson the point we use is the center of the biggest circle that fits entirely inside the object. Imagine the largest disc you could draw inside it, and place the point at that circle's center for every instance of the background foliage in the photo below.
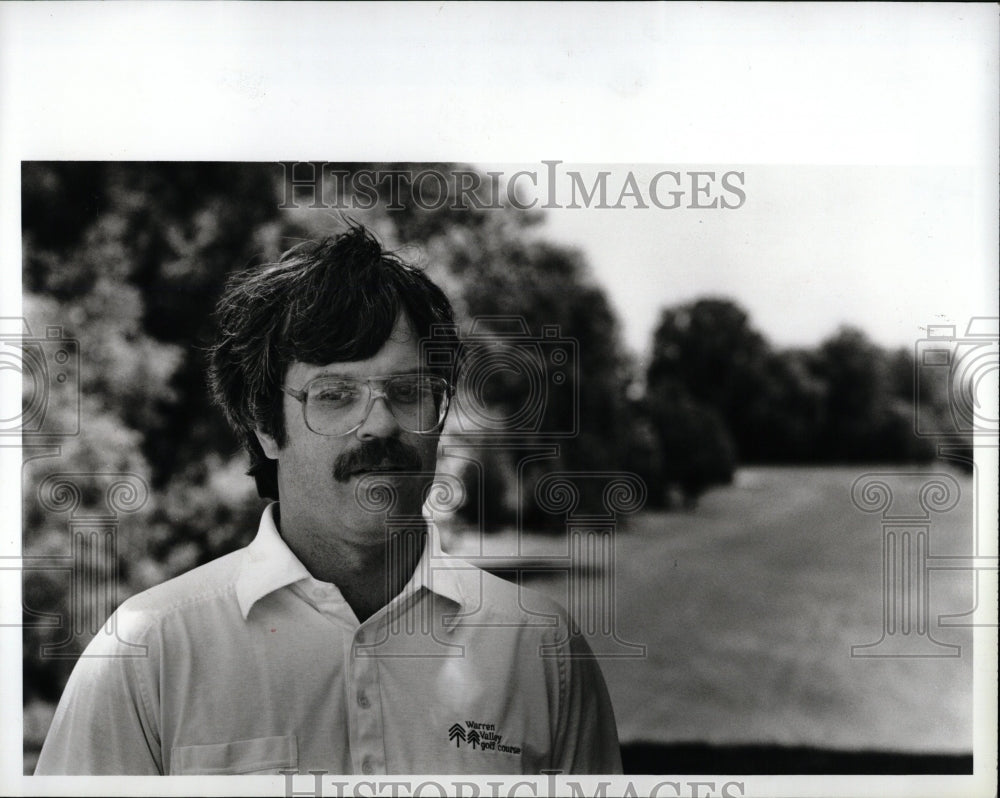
(129, 259)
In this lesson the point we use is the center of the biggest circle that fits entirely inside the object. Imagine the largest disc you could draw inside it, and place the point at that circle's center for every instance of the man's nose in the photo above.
(380, 422)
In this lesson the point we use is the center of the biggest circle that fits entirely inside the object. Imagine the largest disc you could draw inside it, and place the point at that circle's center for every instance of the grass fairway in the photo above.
(749, 606)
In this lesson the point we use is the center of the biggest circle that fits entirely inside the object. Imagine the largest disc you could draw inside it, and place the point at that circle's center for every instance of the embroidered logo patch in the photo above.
(480, 737)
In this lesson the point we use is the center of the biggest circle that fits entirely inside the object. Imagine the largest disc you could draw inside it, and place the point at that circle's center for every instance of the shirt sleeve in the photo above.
(586, 739)
(106, 720)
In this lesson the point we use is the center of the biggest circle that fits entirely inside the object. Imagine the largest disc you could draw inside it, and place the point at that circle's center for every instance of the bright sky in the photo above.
(867, 132)
(886, 249)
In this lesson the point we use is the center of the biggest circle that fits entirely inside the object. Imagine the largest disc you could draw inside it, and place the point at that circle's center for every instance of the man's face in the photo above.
(322, 479)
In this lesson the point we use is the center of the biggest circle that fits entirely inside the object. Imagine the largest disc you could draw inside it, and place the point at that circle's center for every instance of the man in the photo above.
(341, 639)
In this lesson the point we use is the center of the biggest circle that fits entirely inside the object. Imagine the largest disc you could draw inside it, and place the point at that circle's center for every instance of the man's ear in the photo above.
(267, 443)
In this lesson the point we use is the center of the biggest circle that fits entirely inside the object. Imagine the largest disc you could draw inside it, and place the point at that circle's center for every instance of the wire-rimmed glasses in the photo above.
(339, 405)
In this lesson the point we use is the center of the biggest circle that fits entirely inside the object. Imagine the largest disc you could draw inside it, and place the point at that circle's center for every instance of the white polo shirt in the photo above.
(249, 665)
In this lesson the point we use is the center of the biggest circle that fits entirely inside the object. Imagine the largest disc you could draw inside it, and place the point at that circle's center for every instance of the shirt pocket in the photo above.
(261, 755)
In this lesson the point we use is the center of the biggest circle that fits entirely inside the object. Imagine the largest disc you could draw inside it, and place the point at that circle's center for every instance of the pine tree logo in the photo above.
(473, 738)
(456, 733)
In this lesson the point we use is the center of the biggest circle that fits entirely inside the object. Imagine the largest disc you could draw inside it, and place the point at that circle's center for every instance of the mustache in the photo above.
(376, 453)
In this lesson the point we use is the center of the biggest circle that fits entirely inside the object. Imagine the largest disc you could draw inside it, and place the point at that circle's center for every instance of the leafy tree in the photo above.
(868, 406)
(848, 400)
(710, 348)
(127, 259)
(697, 451)
(154, 241)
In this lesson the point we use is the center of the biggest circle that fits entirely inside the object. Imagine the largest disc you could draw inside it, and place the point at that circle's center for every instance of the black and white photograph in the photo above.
(492, 400)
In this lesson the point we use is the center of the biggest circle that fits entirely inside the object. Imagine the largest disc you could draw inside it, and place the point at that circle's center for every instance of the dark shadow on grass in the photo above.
(775, 760)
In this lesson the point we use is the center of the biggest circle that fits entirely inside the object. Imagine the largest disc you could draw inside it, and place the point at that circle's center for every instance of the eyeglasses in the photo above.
(340, 405)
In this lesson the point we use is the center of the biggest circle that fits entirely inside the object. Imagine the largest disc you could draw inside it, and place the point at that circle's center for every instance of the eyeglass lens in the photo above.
(336, 405)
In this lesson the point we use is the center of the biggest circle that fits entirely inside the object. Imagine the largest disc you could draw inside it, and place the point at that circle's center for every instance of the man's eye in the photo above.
(410, 390)
(335, 394)
(403, 391)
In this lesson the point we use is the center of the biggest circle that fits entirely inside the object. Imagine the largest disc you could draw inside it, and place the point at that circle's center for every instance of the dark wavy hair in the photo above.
(330, 301)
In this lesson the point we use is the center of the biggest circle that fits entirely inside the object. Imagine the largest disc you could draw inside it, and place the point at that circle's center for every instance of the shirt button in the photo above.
(366, 767)
(363, 701)
(360, 637)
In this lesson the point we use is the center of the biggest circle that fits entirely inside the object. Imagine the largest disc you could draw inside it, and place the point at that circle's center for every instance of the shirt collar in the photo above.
(438, 572)
(269, 565)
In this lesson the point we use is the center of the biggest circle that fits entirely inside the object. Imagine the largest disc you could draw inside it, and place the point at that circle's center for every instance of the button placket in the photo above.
(369, 745)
